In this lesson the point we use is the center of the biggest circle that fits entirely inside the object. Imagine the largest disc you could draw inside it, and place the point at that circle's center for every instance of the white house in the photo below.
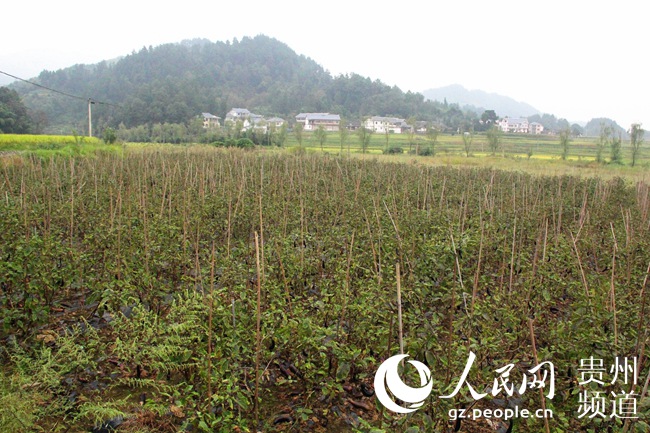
(514, 124)
(251, 120)
(300, 118)
(312, 121)
(210, 121)
(237, 114)
(536, 128)
(382, 125)
(275, 121)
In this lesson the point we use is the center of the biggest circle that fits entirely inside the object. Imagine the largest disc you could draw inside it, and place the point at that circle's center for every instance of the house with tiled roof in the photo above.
(211, 121)
(250, 120)
(313, 121)
(514, 124)
(384, 125)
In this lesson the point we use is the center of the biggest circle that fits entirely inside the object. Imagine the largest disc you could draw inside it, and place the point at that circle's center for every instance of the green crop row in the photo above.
(211, 289)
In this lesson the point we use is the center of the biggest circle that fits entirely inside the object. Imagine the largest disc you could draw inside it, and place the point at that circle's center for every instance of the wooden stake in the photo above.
(399, 309)
(258, 330)
(210, 308)
(541, 392)
(613, 289)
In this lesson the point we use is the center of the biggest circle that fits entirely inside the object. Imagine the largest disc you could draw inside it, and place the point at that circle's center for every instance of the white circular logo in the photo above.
(387, 376)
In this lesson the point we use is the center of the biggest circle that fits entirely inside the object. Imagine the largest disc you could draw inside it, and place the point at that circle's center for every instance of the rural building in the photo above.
(354, 125)
(517, 125)
(383, 125)
(211, 121)
(275, 121)
(250, 120)
(313, 121)
(520, 125)
(300, 118)
(237, 114)
(536, 128)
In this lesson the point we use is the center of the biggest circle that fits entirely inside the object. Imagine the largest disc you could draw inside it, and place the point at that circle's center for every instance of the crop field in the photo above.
(511, 145)
(164, 289)
(50, 145)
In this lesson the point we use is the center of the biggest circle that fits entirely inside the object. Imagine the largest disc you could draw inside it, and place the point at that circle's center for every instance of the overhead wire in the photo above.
(91, 100)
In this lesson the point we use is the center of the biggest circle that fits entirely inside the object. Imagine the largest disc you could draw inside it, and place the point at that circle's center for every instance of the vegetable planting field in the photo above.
(202, 289)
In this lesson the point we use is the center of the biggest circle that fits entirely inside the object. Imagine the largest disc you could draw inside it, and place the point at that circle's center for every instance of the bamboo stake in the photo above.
(261, 218)
(639, 342)
(582, 271)
(460, 275)
(258, 343)
(512, 256)
(399, 309)
(478, 269)
(613, 289)
(541, 392)
(71, 200)
(210, 311)
(344, 301)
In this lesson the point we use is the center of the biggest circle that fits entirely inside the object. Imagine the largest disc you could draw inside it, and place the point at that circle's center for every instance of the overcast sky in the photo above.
(574, 59)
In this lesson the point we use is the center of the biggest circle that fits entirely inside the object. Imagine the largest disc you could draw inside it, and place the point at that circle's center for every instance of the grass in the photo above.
(540, 155)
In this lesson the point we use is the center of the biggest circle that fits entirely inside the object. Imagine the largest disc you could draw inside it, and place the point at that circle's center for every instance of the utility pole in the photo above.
(90, 118)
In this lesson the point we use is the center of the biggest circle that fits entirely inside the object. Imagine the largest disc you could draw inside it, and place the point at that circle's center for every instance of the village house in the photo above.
(353, 125)
(312, 121)
(237, 114)
(518, 125)
(536, 128)
(384, 125)
(252, 121)
(275, 122)
(211, 121)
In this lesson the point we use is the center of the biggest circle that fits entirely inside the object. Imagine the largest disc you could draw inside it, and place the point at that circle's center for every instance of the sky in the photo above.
(574, 59)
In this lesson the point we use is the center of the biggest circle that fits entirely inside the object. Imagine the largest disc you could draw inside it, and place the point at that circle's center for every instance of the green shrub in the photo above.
(393, 150)
(245, 143)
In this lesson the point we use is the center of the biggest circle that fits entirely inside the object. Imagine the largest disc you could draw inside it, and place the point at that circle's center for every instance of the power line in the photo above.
(91, 100)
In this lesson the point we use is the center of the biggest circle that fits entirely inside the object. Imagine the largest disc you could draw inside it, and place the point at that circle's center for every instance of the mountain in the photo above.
(174, 83)
(479, 101)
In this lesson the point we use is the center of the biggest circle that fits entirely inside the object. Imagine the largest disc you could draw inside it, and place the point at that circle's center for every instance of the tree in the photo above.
(297, 131)
(636, 138)
(432, 136)
(109, 136)
(468, 137)
(494, 139)
(489, 117)
(364, 135)
(411, 122)
(577, 130)
(271, 132)
(281, 136)
(603, 140)
(14, 118)
(565, 139)
(321, 136)
(615, 156)
(343, 134)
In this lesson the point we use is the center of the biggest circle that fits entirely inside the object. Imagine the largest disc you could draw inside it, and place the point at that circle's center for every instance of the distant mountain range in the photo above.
(479, 101)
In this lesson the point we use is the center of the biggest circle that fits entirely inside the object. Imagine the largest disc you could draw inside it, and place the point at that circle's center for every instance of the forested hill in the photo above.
(176, 82)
